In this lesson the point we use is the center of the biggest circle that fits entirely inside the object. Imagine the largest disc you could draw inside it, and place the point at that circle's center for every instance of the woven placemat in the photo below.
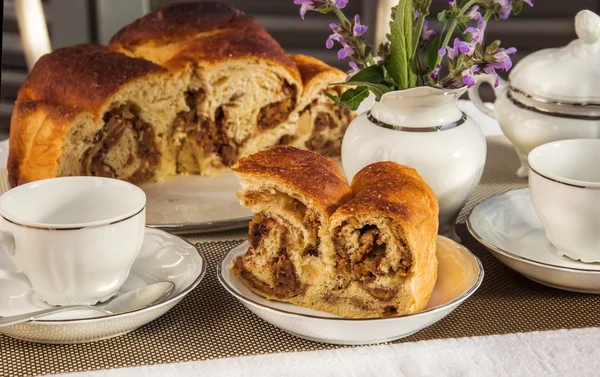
(210, 324)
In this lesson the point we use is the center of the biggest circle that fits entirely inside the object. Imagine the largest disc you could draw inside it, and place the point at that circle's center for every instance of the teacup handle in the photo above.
(7, 242)
(476, 98)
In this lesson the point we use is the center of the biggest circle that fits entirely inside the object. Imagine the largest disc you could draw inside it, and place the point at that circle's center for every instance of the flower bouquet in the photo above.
(416, 55)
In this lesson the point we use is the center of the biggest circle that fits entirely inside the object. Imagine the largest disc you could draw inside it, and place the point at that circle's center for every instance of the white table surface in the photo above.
(550, 353)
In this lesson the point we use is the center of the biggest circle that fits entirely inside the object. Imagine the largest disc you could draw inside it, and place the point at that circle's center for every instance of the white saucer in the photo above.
(163, 257)
(194, 204)
(460, 273)
(509, 227)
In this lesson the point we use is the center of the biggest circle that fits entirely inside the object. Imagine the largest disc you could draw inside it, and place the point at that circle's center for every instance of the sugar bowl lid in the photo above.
(568, 75)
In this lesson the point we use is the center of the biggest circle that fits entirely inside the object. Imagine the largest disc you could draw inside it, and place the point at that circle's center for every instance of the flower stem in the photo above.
(417, 35)
(341, 15)
(448, 35)
(487, 15)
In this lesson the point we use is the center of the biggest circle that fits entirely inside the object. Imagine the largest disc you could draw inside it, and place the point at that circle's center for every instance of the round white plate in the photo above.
(509, 227)
(163, 257)
(194, 204)
(460, 273)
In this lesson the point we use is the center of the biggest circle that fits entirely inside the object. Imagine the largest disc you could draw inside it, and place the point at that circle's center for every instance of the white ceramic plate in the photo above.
(163, 257)
(194, 204)
(509, 227)
(460, 273)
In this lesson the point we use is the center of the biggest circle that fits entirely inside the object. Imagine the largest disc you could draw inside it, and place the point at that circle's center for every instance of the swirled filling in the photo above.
(368, 256)
(273, 114)
(125, 148)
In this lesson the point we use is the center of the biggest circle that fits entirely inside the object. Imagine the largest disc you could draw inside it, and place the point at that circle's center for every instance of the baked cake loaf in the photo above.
(245, 94)
(290, 223)
(187, 89)
(85, 110)
(322, 122)
(369, 253)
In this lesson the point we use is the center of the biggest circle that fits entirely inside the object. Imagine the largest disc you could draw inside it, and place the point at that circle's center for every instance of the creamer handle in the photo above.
(474, 92)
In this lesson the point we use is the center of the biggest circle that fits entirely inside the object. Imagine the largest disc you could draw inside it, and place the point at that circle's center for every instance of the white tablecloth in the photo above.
(551, 353)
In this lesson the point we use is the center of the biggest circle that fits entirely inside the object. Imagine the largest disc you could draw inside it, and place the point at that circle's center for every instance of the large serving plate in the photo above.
(163, 257)
(460, 273)
(194, 204)
(509, 227)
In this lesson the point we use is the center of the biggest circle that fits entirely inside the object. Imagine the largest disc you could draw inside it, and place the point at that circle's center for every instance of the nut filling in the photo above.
(363, 255)
(318, 140)
(124, 148)
(280, 269)
(272, 115)
(295, 208)
(209, 134)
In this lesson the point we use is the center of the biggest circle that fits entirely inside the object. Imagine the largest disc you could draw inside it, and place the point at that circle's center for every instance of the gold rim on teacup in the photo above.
(572, 182)
(75, 228)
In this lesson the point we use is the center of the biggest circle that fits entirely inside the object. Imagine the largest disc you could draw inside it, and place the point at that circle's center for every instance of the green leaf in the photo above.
(517, 8)
(377, 89)
(401, 29)
(352, 98)
(372, 74)
(432, 52)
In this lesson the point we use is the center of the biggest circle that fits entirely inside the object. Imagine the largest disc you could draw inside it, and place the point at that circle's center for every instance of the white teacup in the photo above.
(74, 238)
(564, 178)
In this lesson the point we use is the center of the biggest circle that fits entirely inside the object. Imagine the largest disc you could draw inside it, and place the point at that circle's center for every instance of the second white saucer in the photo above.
(509, 227)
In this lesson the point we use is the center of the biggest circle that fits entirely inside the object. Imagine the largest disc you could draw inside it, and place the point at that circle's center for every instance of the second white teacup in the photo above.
(74, 238)
(564, 178)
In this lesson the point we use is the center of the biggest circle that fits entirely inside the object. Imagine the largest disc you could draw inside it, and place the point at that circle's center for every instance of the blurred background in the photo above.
(548, 24)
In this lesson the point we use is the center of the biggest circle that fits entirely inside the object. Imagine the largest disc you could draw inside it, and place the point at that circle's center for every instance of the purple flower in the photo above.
(477, 35)
(468, 75)
(306, 5)
(451, 1)
(417, 14)
(490, 71)
(505, 8)
(426, 32)
(436, 72)
(337, 37)
(502, 60)
(529, 2)
(355, 70)
(345, 52)
(459, 47)
(474, 14)
(358, 29)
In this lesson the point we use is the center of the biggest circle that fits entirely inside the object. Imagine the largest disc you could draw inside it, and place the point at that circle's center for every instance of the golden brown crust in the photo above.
(206, 32)
(309, 173)
(38, 129)
(26, 119)
(393, 190)
(231, 44)
(179, 21)
(310, 68)
(82, 75)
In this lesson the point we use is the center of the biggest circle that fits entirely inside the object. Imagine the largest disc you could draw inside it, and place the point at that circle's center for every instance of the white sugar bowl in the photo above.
(552, 94)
